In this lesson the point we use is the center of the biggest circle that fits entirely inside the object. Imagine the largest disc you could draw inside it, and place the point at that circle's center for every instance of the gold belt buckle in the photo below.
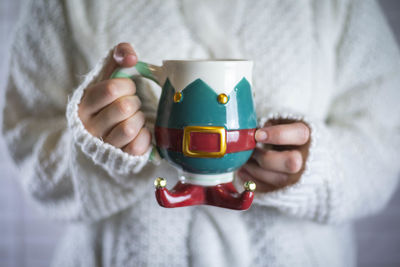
(204, 129)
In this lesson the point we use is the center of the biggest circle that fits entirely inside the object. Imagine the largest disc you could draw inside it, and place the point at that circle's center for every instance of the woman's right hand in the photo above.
(110, 110)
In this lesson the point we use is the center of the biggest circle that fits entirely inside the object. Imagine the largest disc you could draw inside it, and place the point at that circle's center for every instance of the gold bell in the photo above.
(250, 186)
(160, 182)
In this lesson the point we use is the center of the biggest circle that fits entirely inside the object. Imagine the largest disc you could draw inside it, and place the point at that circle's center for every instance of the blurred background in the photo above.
(28, 239)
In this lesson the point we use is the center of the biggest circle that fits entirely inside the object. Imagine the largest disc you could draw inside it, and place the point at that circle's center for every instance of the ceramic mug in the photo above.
(205, 126)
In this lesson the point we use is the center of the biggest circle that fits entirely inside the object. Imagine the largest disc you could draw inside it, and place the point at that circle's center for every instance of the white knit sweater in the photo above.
(333, 64)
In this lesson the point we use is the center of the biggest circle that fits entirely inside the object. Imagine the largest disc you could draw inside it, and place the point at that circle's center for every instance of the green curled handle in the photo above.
(152, 72)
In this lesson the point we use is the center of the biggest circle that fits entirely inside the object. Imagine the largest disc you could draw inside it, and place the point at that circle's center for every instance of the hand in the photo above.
(281, 161)
(110, 110)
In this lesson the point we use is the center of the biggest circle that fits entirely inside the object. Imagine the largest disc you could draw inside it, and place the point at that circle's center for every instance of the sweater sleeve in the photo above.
(353, 166)
(65, 171)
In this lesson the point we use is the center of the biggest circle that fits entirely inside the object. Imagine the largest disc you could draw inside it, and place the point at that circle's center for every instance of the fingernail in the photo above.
(119, 55)
(261, 135)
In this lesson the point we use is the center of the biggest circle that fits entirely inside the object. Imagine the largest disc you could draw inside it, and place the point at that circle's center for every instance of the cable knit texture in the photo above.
(331, 64)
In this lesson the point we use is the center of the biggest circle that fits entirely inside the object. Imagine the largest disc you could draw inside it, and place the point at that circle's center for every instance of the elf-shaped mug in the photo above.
(205, 127)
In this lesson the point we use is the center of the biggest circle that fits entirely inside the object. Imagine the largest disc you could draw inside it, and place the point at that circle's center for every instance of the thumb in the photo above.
(123, 56)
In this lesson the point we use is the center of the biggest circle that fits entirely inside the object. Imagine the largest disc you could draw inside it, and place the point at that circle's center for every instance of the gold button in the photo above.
(222, 98)
(250, 186)
(177, 97)
(160, 182)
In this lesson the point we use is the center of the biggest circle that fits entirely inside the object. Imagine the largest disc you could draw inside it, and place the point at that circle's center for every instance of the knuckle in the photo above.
(124, 106)
(111, 89)
(128, 130)
(293, 162)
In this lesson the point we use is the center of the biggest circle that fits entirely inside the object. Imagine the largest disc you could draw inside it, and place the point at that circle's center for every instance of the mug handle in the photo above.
(149, 71)
(143, 69)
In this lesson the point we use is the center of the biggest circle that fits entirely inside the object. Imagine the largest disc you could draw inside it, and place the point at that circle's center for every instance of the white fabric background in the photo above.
(27, 239)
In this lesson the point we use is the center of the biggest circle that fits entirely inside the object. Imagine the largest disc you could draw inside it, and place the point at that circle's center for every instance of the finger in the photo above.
(118, 111)
(280, 161)
(140, 144)
(104, 93)
(273, 178)
(284, 134)
(244, 176)
(126, 131)
(123, 56)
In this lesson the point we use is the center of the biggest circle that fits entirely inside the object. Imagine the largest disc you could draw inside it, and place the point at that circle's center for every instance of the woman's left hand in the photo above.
(281, 161)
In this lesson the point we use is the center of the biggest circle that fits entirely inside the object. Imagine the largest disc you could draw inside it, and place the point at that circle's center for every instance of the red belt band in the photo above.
(236, 140)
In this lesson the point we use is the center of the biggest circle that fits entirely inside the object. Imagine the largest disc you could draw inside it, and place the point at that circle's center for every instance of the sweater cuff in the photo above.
(112, 159)
(311, 197)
